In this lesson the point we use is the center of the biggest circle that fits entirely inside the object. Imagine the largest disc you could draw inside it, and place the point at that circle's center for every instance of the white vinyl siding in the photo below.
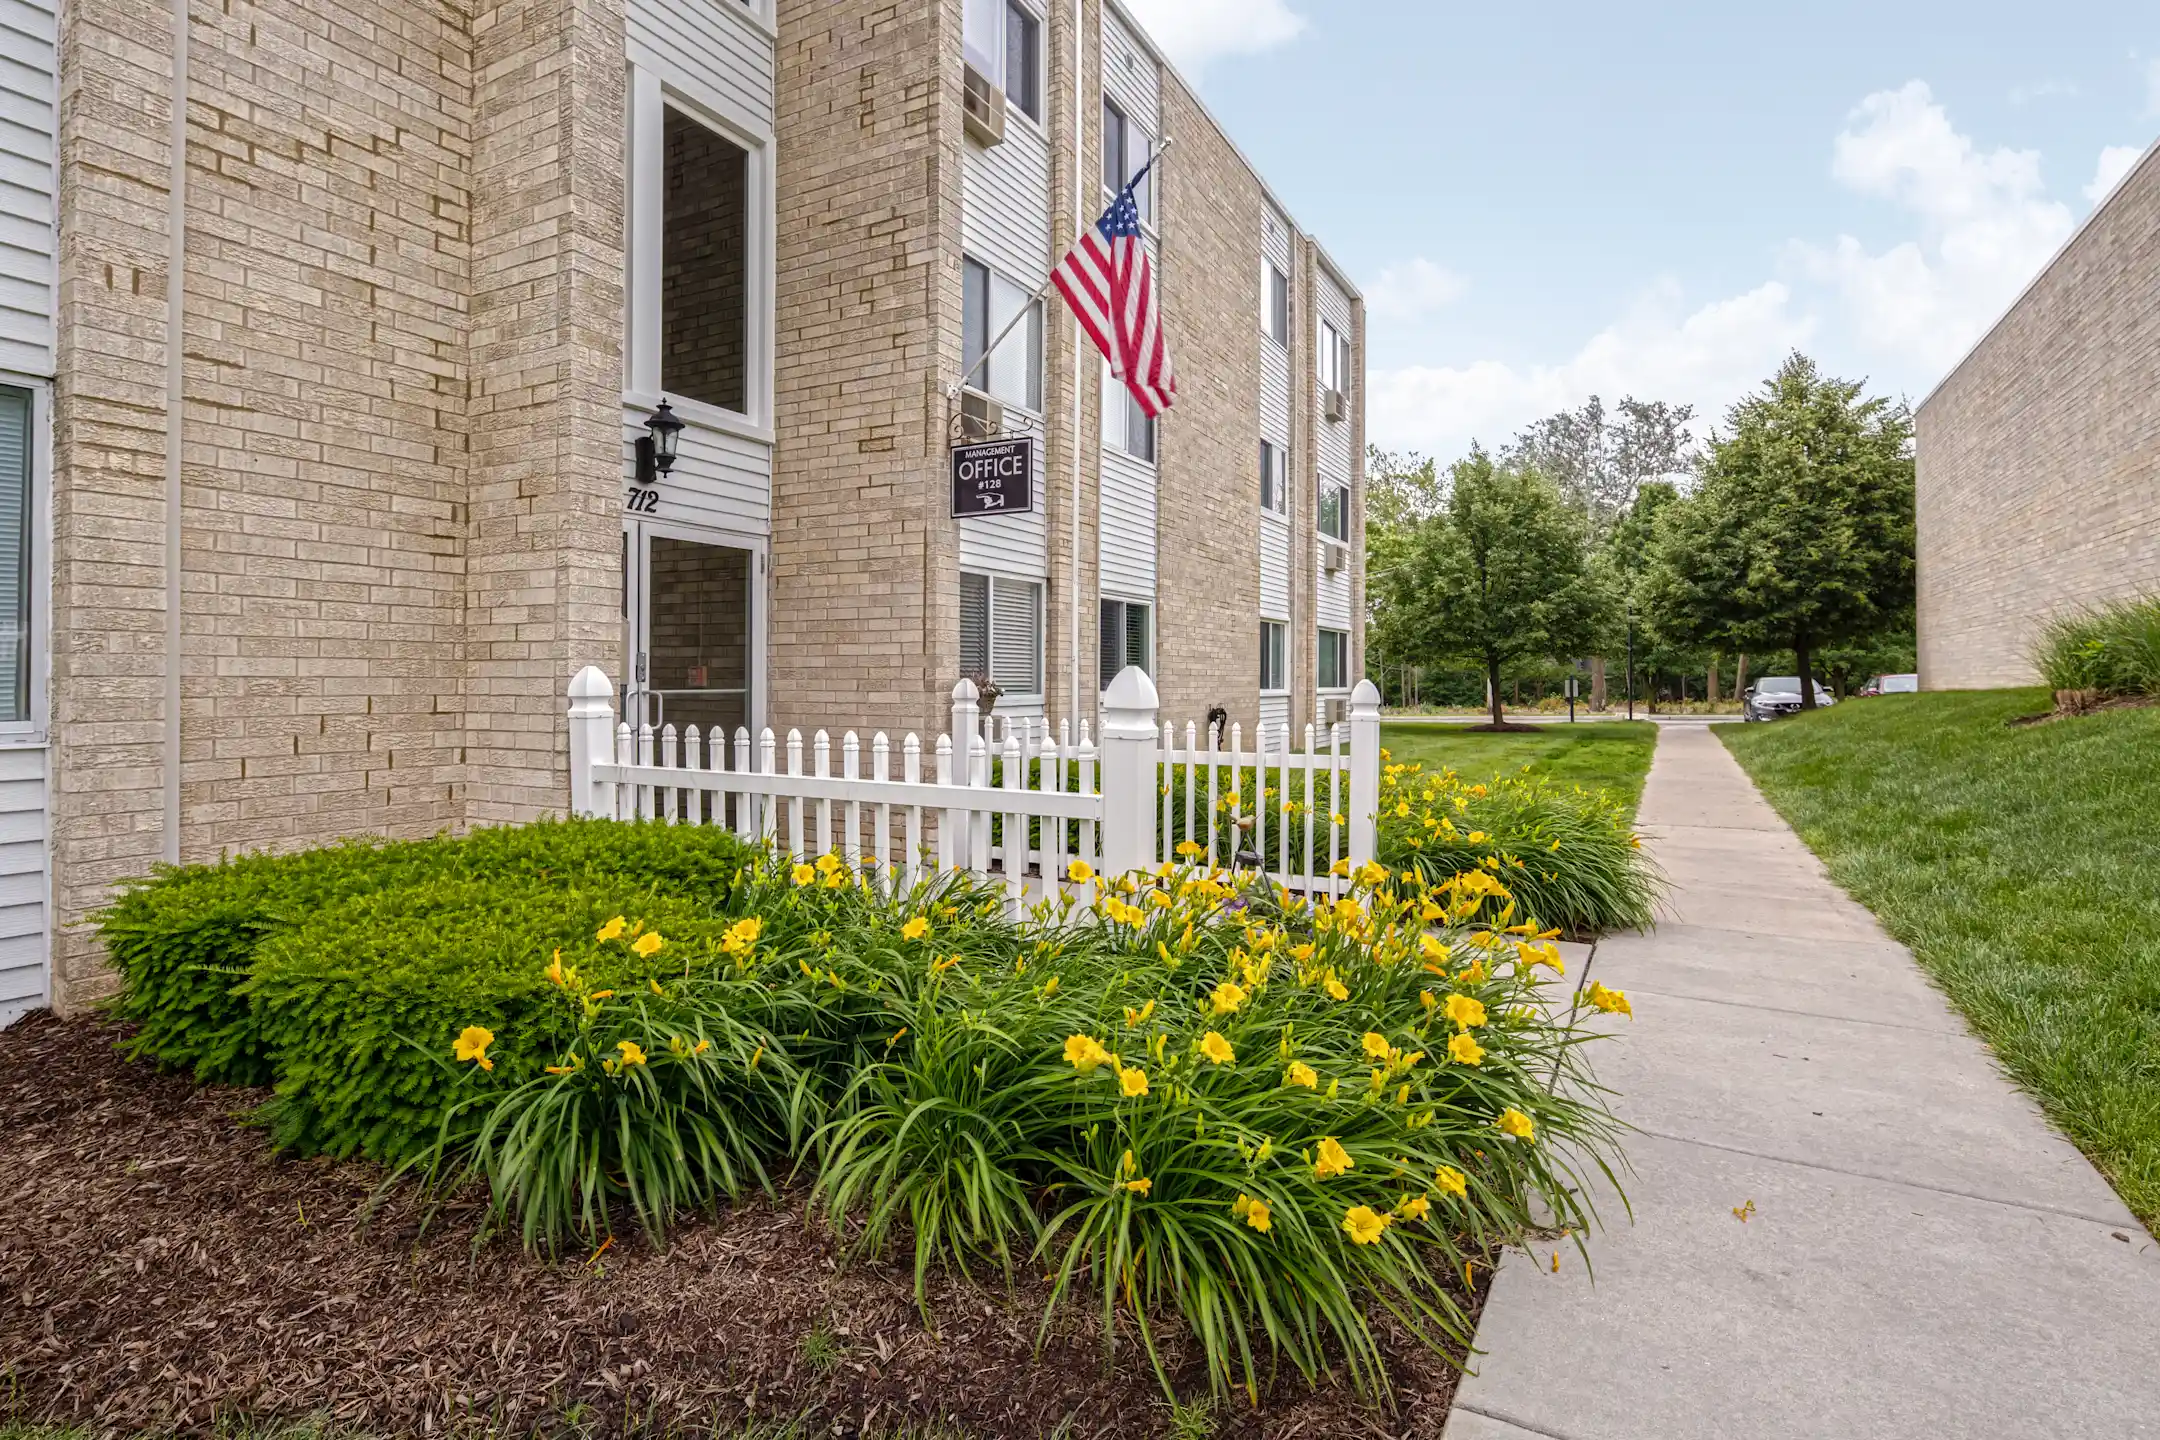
(1127, 552)
(28, 86)
(1336, 459)
(717, 53)
(712, 61)
(1274, 566)
(1005, 225)
(1130, 78)
(24, 937)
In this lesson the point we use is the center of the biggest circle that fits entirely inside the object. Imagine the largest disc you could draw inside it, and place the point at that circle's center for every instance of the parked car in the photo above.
(1776, 696)
(1891, 685)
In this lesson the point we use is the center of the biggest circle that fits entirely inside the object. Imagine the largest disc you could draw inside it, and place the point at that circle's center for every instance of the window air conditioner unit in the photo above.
(983, 105)
(981, 418)
(1336, 407)
(1334, 555)
(1337, 710)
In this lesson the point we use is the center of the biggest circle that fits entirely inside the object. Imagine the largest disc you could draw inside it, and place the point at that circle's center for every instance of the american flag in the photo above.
(1107, 280)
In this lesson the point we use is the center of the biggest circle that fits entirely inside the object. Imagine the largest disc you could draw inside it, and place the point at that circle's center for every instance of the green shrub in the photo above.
(185, 940)
(1570, 856)
(2112, 649)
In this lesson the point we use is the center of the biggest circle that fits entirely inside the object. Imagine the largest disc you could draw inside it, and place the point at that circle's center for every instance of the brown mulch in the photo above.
(162, 1268)
(2071, 704)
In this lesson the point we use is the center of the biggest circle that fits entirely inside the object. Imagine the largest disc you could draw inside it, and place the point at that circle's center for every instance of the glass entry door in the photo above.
(693, 629)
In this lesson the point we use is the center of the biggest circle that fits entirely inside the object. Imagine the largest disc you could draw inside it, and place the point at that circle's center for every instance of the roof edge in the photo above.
(2152, 153)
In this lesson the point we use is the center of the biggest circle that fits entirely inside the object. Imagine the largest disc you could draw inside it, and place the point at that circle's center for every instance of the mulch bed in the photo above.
(161, 1268)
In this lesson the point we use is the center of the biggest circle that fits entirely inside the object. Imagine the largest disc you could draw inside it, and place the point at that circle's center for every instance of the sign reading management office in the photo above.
(993, 477)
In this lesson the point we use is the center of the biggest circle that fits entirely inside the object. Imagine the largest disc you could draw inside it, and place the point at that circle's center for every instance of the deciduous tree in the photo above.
(1801, 532)
(1500, 574)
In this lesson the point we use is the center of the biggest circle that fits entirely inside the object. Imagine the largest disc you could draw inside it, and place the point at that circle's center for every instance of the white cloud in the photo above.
(1413, 290)
(1657, 350)
(2115, 162)
(1194, 32)
(1986, 227)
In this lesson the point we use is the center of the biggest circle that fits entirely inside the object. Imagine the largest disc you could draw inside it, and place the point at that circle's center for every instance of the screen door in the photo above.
(692, 629)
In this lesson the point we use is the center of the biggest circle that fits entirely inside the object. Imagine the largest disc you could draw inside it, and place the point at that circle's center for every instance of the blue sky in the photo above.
(1544, 201)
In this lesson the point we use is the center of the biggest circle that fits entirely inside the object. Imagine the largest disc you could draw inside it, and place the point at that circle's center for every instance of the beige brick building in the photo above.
(354, 315)
(2039, 456)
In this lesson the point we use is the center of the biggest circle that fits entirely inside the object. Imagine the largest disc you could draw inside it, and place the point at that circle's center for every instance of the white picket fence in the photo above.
(1006, 798)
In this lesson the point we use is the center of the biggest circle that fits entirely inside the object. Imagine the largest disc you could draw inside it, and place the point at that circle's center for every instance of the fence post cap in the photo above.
(965, 692)
(591, 683)
(1132, 690)
(1365, 700)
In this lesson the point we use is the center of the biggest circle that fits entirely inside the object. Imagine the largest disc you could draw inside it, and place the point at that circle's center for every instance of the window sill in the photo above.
(705, 417)
(1276, 516)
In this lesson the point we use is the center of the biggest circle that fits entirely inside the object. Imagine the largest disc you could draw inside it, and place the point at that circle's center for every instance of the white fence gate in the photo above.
(1006, 798)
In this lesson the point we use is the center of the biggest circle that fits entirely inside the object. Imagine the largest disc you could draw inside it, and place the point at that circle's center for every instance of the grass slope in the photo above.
(1606, 755)
(2022, 867)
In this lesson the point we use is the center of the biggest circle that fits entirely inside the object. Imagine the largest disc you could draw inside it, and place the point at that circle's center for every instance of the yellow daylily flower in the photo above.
(1453, 1181)
(648, 945)
(1132, 1081)
(1463, 1050)
(472, 1044)
(1414, 1207)
(1376, 1045)
(1330, 1160)
(1229, 995)
(1364, 1225)
(1612, 1002)
(1217, 1049)
(1086, 1054)
(1514, 1122)
(1254, 1213)
(613, 930)
(632, 1054)
(1465, 1011)
(1300, 1073)
(803, 875)
(916, 928)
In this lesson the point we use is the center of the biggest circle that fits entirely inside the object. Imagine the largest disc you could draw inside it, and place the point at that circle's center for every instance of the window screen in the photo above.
(15, 554)
(989, 303)
(1275, 304)
(975, 624)
(1125, 149)
(1334, 659)
(1124, 639)
(1125, 425)
(1330, 358)
(1274, 479)
(1023, 61)
(1335, 511)
(1016, 636)
(705, 267)
(1274, 671)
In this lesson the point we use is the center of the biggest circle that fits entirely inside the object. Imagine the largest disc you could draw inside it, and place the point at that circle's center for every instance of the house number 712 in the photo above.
(642, 502)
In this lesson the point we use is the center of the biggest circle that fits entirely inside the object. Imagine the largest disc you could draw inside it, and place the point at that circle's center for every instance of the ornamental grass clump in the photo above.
(1570, 856)
(2109, 651)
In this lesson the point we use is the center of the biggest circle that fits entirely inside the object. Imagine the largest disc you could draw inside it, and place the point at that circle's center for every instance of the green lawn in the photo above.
(1605, 755)
(2022, 866)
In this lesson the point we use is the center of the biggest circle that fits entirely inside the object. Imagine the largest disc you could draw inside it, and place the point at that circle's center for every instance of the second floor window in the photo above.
(1275, 303)
(1013, 373)
(1334, 659)
(1274, 479)
(1125, 149)
(1003, 40)
(705, 266)
(1335, 511)
(1125, 426)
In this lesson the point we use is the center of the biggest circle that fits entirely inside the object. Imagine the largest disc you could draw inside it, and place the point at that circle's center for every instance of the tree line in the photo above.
(1786, 533)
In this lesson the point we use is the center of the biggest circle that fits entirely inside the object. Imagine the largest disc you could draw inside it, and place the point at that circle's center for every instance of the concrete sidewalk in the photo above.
(1926, 1257)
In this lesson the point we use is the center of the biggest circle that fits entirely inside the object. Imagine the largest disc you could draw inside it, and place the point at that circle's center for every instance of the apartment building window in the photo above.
(990, 302)
(1275, 303)
(1125, 149)
(1001, 632)
(17, 555)
(1335, 511)
(1125, 426)
(1125, 637)
(1274, 479)
(1330, 359)
(704, 266)
(1002, 39)
(1334, 659)
(1274, 656)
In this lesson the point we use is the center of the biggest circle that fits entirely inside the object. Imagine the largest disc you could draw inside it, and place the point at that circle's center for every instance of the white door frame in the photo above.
(637, 594)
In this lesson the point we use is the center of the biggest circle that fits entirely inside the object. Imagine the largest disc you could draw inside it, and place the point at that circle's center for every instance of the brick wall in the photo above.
(865, 583)
(401, 446)
(2039, 458)
(1208, 514)
(108, 504)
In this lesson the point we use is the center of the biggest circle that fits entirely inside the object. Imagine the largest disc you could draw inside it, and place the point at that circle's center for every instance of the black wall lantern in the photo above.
(656, 447)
